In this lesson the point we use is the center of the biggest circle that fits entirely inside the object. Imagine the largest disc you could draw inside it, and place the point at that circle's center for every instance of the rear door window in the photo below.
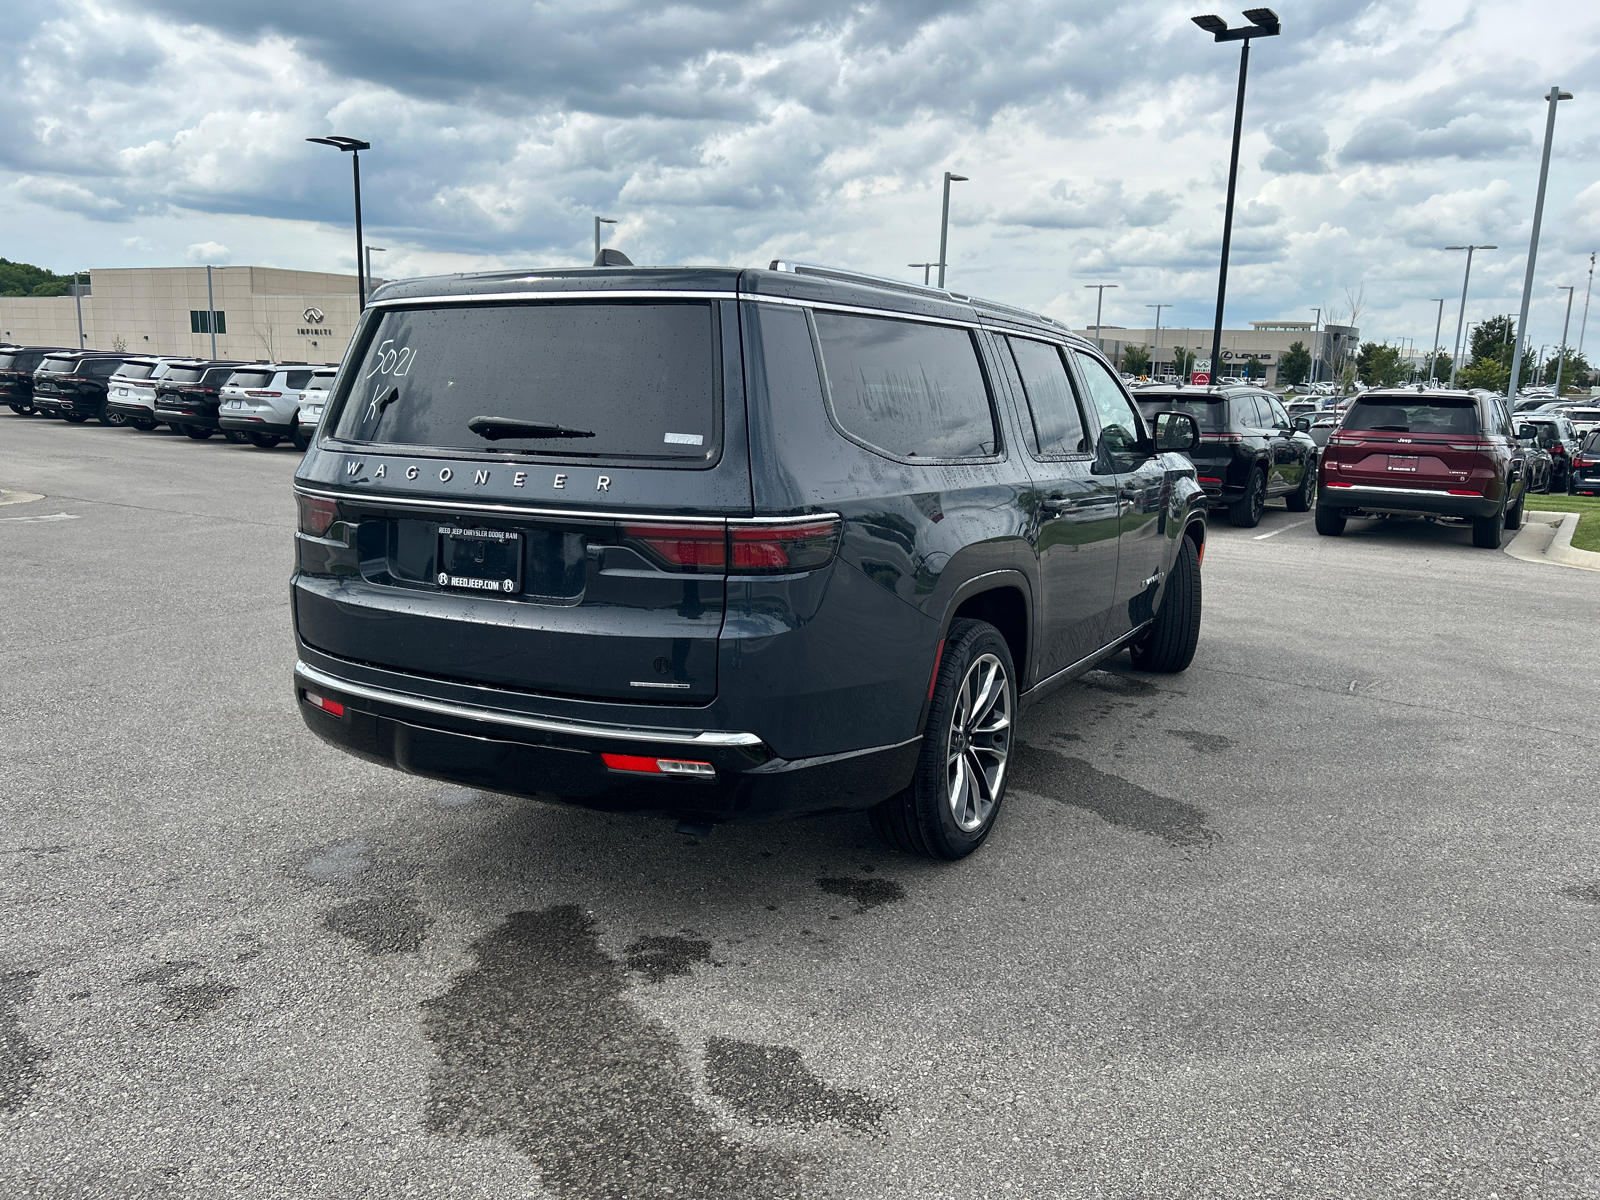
(609, 380)
(1444, 414)
(906, 389)
(220, 376)
(1057, 421)
(295, 380)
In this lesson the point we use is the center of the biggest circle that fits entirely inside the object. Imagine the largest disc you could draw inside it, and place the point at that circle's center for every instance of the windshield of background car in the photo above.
(136, 370)
(591, 380)
(1447, 414)
(56, 366)
(1210, 414)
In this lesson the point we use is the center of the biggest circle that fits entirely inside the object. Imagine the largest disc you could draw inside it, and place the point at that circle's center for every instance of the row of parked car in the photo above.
(260, 403)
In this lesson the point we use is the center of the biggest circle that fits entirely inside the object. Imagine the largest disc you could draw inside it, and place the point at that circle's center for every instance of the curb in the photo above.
(1546, 537)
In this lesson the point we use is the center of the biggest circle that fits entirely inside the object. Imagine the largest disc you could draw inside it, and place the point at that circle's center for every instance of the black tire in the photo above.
(922, 818)
(1514, 513)
(198, 432)
(115, 420)
(1487, 531)
(1169, 646)
(1245, 512)
(301, 440)
(22, 410)
(1330, 521)
(143, 424)
(1299, 500)
(237, 436)
(76, 418)
(263, 441)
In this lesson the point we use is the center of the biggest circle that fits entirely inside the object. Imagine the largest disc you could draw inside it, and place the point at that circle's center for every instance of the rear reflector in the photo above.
(1331, 483)
(316, 514)
(1462, 492)
(322, 702)
(1209, 479)
(659, 766)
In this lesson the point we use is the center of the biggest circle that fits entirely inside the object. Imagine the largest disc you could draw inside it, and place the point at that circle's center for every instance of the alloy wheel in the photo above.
(979, 743)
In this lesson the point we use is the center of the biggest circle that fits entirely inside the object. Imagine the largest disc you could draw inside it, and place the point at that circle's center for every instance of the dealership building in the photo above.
(1265, 341)
(261, 313)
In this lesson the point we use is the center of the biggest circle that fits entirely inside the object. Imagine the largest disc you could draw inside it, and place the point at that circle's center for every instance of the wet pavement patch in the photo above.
(538, 1046)
(339, 863)
(1587, 892)
(20, 1055)
(771, 1084)
(1203, 743)
(1120, 685)
(188, 1001)
(1110, 797)
(867, 893)
(390, 923)
(658, 957)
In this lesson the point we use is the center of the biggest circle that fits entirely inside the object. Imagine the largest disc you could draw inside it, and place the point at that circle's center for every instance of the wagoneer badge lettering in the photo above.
(354, 467)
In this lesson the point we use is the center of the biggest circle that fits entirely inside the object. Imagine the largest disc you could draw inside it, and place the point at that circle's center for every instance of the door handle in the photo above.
(1056, 505)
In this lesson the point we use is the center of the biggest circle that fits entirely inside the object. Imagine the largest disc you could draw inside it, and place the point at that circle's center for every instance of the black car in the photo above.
(187, 397)
(1585, 479)
(728, 545)
(74, 385)
(17, 365)
(1558, 439)
(1250, 448)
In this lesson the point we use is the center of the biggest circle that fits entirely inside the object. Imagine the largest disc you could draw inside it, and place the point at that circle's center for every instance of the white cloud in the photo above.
(214, 253)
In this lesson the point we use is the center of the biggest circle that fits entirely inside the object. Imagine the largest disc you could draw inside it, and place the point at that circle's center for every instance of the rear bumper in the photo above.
(559, 759)
(246, 423)
(174, 416)
(1406, 500)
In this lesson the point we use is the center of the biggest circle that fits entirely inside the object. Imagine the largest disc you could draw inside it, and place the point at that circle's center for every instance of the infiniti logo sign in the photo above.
(313, 316)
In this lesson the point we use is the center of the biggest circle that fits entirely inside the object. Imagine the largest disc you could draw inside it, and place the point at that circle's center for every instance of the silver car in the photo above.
(131, 398)
(261, 404)
(312, 401)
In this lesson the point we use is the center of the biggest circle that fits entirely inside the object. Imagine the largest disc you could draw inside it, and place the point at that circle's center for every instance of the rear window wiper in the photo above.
(495, 428)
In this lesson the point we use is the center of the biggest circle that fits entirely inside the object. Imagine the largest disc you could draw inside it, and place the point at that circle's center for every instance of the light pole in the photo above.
(926, 267)
(1100, 295)
(1263, 23)
(1455, 361)
(1154, 356)
(1561, 362)
(371, 250)
(1584, 324)
(1316, 343)
(1438, 323)
(944, 221)
(77, 292)
(599, 221)
(354, 147)
(1555, 96)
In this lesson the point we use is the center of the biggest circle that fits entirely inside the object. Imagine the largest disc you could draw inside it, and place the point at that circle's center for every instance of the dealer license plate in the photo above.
(1401, 463)
(480, 560)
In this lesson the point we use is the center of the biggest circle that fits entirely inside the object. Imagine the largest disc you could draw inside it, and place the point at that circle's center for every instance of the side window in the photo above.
(1249, 409)
(1120, 429)
(1057, 421)
(906, 389)
(297, 380)
(1280, 419)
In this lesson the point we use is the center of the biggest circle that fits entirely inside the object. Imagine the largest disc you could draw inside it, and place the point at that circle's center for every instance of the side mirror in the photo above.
(1524, 432)
(1175, 431)
(1302, 424)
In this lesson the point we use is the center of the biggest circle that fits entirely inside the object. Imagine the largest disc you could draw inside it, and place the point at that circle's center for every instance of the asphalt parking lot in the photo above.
(1316, 918)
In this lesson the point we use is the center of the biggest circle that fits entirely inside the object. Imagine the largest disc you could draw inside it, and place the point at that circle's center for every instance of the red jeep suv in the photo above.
(1412, 452)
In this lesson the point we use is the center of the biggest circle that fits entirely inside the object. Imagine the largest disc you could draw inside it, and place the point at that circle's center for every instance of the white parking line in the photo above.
(1261, 537)
(54, 517)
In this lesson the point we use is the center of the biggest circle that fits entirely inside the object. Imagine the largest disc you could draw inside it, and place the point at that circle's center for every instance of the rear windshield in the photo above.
(321, 382)
(136, 370)
(1591, 443)
(250, 379)
(184, 374)
(1444, 415)
(6, 360)
(589, 380)
(1210, 414)
(54, 366)
(217, 376)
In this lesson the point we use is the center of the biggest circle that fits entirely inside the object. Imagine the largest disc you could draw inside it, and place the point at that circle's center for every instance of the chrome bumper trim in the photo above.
(442, 708)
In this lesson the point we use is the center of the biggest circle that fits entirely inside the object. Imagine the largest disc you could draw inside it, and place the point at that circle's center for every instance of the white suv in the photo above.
(261, 404)
(131, 392)
(311, 404)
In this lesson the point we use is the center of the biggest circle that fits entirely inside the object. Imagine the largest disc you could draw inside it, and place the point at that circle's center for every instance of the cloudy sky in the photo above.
(155, 132)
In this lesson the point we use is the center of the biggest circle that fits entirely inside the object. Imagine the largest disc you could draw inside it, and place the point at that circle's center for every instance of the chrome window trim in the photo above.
(488, 508)
(676, 737)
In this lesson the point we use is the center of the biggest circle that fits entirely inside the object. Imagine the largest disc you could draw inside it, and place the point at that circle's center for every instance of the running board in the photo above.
(1067, 674)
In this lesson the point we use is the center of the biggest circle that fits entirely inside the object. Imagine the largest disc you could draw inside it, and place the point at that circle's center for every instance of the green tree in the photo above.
(1182, 362)
(1380, 366)
(25, 279)
(1295, 365)
(1488, 373)
(1441, 367)
(1494, 339)
(1577, 367)
(1135, 360)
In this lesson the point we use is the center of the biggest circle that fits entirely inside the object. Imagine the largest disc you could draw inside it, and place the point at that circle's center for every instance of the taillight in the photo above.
(1344, 439)
(316, 514)
(770, 549)
(1209, 479)
(755, 548)
(269, 395)
(1467, 445)
(332, 707)
(683, 768)
(686, 547)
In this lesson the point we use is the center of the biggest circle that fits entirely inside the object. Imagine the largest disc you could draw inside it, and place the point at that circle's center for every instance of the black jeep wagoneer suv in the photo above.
(728, 544)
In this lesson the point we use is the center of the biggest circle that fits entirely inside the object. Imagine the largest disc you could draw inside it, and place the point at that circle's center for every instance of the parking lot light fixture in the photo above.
(1099, 299)
(1561, 359)
(944, 221)
(371, 250)
(1455, 362)
(1155, 354)
(1584, 324)
(599, 221)
(926, 267)
(1438, 323)
(353, 147)
(1554, 97)
(1263, 23)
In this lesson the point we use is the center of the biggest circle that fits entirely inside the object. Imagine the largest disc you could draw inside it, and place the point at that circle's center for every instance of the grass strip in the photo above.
(1587, 535)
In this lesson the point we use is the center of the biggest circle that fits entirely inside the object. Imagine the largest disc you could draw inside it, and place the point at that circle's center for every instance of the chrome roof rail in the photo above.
(901, 285)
